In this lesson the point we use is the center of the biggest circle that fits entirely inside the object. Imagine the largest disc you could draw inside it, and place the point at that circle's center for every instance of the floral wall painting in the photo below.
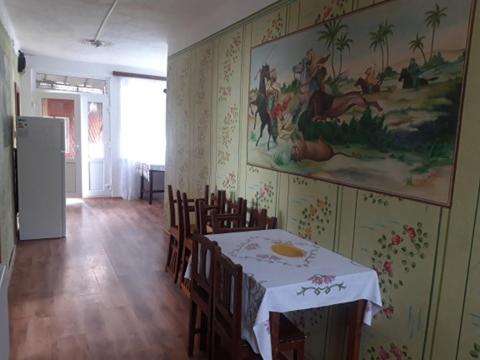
(370, 100)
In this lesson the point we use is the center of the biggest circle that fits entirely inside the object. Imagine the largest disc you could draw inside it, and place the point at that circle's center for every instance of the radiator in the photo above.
(4, 329)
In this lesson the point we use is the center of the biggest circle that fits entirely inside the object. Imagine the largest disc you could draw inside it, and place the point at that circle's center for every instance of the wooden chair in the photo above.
(259, 218)
(188, 230)
(286, 338)
(227, 311)
(178, 231)
(227, 317)
(174, 246)
(201, 291)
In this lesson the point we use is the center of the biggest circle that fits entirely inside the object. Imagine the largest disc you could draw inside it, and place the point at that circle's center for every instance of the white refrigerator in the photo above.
(41, 177)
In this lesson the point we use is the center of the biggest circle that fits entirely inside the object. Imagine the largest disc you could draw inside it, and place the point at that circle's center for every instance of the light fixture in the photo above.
(96, 42)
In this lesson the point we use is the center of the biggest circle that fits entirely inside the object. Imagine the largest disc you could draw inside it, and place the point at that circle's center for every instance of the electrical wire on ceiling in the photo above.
(96, 42)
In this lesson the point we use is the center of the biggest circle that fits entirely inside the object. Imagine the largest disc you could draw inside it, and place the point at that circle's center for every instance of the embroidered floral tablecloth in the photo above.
(283, 273)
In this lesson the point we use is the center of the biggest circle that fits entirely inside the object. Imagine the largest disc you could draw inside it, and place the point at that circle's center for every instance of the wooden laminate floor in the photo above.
(101, 293)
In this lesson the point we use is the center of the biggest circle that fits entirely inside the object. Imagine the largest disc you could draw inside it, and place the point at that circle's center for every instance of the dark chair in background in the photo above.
(204, 253)
(174, 248)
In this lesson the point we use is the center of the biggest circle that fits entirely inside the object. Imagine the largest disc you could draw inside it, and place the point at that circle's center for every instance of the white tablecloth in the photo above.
(307, 277)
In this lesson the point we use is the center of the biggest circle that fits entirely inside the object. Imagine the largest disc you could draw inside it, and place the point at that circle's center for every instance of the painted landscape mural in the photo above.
(370, 100)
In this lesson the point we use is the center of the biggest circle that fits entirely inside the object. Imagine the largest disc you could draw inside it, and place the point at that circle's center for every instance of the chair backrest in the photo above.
(259, 218)
(227, 302)
(228, 223)
(206, 194)
(187, 209)
(180, 215)
(239, 207)
(171, 206)
(204, 253)
(202, 214)
(219, 199)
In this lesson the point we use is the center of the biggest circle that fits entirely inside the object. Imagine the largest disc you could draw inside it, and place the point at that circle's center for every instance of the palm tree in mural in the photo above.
(377, 40)
(329, 35)
(433, 19)
(386, 30)
(342, 44)
(417, 44)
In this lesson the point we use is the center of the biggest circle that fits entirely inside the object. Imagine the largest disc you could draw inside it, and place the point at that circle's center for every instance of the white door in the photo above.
(67, 107)
(96, 145)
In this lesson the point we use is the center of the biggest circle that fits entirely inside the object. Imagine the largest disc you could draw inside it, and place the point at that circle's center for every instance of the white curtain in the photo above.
(142, 130)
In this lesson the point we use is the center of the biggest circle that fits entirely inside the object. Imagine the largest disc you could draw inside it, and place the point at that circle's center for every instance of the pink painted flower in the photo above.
(388, 312)
(322, 279)
(412, 234)
(396, 351)
(396, 239)
(384, 355)
(387, 266)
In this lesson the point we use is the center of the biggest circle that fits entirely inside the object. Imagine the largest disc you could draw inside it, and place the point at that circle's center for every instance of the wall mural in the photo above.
(369, 100)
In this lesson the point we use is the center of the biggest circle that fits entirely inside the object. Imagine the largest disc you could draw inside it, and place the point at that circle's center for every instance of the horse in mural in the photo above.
(366, 88)
(261, 102)
(323, 106)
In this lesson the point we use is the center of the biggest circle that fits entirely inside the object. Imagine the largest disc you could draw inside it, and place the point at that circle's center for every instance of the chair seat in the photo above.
(289, 332)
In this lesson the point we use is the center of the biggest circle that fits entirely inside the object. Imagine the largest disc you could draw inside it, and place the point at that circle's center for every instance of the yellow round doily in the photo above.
(288, 250)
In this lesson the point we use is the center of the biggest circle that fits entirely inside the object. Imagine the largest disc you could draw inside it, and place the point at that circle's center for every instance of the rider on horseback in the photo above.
(415, 72)
(314, 67)
(371, 78)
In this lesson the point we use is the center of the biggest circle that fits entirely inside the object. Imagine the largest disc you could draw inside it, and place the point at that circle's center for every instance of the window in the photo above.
(142, 128)
(71, 84)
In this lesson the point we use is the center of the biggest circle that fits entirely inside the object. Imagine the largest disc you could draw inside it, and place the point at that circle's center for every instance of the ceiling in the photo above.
(141, 32)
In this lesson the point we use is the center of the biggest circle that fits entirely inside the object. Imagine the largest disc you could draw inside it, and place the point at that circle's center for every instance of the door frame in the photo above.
(107, 160)
(38, 95)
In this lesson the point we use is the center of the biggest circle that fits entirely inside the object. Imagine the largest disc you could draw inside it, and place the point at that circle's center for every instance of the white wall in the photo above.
(49, 65)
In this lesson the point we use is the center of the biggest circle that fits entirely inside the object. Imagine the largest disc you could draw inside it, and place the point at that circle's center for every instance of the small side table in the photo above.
(147, 173)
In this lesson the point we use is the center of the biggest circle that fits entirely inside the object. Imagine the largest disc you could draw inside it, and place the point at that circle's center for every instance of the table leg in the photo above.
(141, 186)
(355, 329)
(150, 177)
(275, 334)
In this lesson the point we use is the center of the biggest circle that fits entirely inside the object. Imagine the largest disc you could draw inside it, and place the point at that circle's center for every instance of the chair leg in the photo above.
(178, 264)
(184, 263)
(298, 353)
(192, 327)
(203, 332)
(169, 255)
(213, 345)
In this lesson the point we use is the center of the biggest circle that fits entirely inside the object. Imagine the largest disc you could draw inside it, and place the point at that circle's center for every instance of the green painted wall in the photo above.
(7, 238)
(433, 295)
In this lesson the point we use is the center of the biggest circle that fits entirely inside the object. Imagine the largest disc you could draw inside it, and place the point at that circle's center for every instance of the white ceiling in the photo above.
(142, 32)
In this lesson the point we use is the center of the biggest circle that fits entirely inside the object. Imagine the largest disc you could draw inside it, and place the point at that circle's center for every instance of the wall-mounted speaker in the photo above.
(22, 62)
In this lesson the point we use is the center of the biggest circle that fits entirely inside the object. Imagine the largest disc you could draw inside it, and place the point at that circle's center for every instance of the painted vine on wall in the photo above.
(397, 253)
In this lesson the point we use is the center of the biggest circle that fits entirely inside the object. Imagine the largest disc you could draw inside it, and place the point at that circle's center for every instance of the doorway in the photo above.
(67, 107)
(97, 177)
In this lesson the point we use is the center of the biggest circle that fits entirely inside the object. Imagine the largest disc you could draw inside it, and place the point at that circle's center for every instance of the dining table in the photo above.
(283, 272)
